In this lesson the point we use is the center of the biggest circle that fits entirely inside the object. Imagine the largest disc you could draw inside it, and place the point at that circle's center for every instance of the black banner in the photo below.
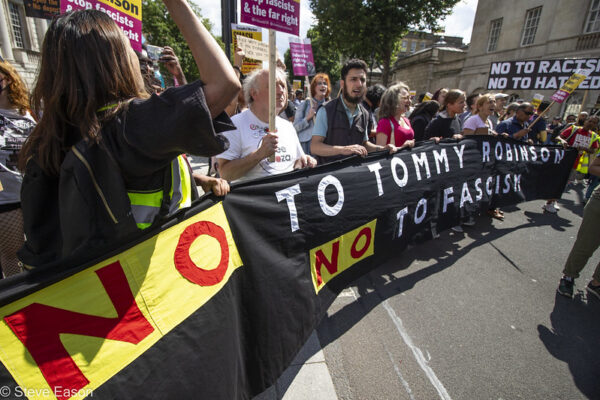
(541, 74)
(296, 241)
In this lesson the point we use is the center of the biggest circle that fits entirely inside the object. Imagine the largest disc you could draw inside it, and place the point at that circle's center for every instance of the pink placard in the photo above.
(560, 96)
(303, 63)
(131, 26)
(279, 15)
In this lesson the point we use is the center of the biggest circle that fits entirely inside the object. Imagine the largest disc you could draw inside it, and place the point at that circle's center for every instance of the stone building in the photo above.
(430, 69)
(21, 39)
(513, 30)
(417, 41)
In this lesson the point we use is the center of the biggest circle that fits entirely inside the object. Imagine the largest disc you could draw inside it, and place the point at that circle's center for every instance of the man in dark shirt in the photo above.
(342, 125)
(539, 130)
(371, 104)
(517, 126)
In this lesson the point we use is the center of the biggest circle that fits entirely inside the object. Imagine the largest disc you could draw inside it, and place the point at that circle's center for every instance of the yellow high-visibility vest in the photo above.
(146, 206)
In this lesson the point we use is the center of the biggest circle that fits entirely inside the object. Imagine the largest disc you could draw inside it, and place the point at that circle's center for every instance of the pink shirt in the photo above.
(401, 134)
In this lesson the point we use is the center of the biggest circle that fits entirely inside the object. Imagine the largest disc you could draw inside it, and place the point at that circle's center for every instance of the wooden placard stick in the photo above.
(542, 114)
(272, 86)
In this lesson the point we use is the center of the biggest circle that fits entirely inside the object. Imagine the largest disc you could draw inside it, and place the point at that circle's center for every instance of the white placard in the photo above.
(253, 48)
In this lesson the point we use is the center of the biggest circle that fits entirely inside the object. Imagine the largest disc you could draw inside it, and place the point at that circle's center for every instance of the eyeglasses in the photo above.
(528, 112)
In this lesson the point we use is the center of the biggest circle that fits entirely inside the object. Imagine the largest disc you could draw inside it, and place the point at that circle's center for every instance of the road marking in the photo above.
(402, 380)
(437, 384)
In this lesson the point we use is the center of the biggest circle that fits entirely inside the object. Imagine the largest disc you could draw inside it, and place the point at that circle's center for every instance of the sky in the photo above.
(459, 23)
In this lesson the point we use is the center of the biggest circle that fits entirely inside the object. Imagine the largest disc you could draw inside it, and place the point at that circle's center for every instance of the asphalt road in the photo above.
(471, 315)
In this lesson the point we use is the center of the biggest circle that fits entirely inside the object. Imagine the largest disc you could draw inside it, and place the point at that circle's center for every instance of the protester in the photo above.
(510, 112)
(501, 99)
(471, 107)
(447, 124)
(123, 144)
(581, 139)
(440, 95)
(517, 126)
(569, 121)
(393, 127)
(342, 125)
(422, 116)
(251, 143)
(480, 124)
(16, 123)
(583, 166)
(371, 103)
(587, 242)
(299, 97)
(581, 117)
(304, 121)
(220, 187)
(551, 136)
(539, 130)
(289, 111)
(151, 83)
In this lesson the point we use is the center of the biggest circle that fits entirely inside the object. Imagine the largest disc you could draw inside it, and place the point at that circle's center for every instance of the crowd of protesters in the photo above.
(100, 152)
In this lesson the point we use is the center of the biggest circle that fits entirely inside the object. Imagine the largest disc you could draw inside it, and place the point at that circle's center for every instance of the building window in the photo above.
(495, 28)
(413, 47)
(404, 47)
(593, 20)
(532, 19)
(17, 26)
(424, 44)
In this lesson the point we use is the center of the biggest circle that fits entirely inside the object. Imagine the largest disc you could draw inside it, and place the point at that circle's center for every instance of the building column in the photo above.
(40, 29)
(4, 36)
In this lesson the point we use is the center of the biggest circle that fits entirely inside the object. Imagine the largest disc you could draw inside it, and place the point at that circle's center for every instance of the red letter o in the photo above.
(359, 253)
(187, 267)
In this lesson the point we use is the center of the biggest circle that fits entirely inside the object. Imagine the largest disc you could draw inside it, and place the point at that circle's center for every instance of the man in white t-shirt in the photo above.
(251, 145)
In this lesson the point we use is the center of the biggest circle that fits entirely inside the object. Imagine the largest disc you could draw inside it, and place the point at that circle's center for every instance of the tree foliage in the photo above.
(371, 29)
(160, 30)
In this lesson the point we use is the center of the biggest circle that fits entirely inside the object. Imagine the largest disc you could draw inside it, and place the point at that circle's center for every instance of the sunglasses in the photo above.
(528, 112)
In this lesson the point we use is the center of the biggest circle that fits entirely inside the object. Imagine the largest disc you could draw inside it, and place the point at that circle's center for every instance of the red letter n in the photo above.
(39, 327)
(332, 266)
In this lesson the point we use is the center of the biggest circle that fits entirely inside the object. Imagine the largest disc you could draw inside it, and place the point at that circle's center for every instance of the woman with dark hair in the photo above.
(440, 95)
(422, 116)
(447, 124)
(393, 127)
(304, 121)
(109, 152)
(15, 124)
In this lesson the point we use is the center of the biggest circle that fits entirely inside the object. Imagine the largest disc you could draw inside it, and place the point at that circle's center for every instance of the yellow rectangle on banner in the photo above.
(170, 276)
(133, 8)
(334, 257)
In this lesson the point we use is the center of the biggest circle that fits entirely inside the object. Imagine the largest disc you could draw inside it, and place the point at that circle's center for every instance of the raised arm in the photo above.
(220, 82)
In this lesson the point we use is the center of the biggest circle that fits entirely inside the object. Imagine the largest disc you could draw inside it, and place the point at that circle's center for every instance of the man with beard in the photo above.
(342, 125)
(251, 145)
